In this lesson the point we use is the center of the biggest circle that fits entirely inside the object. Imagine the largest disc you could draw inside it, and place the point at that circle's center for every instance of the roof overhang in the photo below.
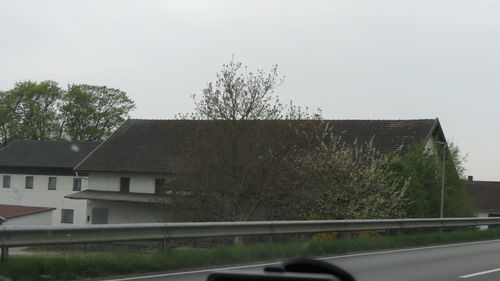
(138, 172)
(14, 211)
(436, 131)
(25, 170)
(120, 196)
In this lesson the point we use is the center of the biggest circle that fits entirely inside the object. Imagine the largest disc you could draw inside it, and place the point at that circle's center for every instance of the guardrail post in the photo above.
(238, 240)
(342, 235)
(163, 247)
(5, 254)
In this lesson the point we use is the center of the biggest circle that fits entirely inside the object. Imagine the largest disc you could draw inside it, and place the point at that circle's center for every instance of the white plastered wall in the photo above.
(139, 183)
(44, 218)
(41, 196)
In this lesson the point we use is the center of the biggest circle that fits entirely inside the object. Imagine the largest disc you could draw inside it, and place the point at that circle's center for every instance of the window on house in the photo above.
(124, 184)
(67, 215)
(6, 181)
(77, 184)
(160, 186)
(29, 182)
(52, 183)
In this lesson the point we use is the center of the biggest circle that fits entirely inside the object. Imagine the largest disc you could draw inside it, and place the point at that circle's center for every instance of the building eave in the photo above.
(52, 171)
(116, 196)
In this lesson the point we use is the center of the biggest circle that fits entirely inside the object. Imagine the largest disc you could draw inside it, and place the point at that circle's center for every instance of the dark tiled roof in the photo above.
(387, 135)
(485, 195)
(45, 154)
(139, 146)
(12, 211)
(155, 145)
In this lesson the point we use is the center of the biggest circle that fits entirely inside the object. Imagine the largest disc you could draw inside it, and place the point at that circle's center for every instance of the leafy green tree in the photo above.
(423, 169)
(44, 111)
(9, 125)
(91, 113)
(456, 201)
(30, 111)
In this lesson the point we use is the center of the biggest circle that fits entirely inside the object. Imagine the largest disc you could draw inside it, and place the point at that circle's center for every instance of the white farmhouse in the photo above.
(130, 171)
(40, 173)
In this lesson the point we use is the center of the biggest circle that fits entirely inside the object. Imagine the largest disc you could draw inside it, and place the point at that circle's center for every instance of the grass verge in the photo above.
(79, 265)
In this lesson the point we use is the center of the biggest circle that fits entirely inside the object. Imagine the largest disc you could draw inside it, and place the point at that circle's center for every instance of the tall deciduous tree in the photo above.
(91, 113)
(238, 94)
(228, 165)
(423, 169)
(9, 124)
(250, 157)
(44, 111)
(30, 111)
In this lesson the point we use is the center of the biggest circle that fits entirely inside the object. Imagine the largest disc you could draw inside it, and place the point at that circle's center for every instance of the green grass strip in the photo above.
(80, 265)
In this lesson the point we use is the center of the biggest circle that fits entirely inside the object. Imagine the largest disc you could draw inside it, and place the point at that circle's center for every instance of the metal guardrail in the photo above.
(12, 236)
(49, 235)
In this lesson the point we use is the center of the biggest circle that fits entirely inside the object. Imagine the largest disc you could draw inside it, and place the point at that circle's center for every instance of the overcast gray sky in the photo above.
(353, 59)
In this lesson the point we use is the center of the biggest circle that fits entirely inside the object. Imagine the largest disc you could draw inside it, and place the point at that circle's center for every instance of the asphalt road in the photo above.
(476, 261)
